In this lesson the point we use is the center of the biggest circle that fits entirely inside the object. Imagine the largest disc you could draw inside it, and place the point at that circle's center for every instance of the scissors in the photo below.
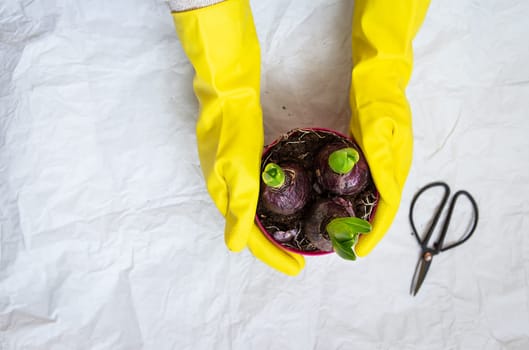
(428, 252)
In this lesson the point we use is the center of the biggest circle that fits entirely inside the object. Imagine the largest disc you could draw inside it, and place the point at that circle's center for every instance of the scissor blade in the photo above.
(420, 274)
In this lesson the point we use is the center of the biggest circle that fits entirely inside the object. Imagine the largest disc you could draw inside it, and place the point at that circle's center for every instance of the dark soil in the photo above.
(301, 146)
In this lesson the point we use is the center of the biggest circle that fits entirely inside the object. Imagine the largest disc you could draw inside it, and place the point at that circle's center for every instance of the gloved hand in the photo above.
(221, 43)
(383, 31)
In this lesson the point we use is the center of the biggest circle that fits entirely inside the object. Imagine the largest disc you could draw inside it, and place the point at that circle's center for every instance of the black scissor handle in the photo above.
(446, 223)
(438, 246)
(424, 241)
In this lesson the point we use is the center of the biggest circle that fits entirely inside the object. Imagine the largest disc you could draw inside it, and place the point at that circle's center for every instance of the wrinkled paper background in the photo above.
(110, 241)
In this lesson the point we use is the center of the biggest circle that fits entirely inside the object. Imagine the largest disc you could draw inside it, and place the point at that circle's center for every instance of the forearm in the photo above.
(185, 5)
(382, 36)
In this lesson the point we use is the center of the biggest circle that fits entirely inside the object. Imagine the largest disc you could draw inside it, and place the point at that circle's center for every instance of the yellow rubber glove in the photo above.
(222, 45)
(383, 31)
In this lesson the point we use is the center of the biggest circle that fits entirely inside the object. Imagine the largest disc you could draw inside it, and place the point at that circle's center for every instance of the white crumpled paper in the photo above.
(110, 241)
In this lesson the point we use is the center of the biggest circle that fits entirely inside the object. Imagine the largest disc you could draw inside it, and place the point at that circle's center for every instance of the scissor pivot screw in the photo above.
(427, 256)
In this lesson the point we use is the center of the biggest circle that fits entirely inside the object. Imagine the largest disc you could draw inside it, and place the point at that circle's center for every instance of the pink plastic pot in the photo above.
(264, 157)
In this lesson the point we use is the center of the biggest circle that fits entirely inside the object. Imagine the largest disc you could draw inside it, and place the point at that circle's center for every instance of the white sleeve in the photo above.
(184, 5)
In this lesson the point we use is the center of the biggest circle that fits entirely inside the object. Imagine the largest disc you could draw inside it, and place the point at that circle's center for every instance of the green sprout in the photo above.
(273, 175)
(344, 235)
(343, 160)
